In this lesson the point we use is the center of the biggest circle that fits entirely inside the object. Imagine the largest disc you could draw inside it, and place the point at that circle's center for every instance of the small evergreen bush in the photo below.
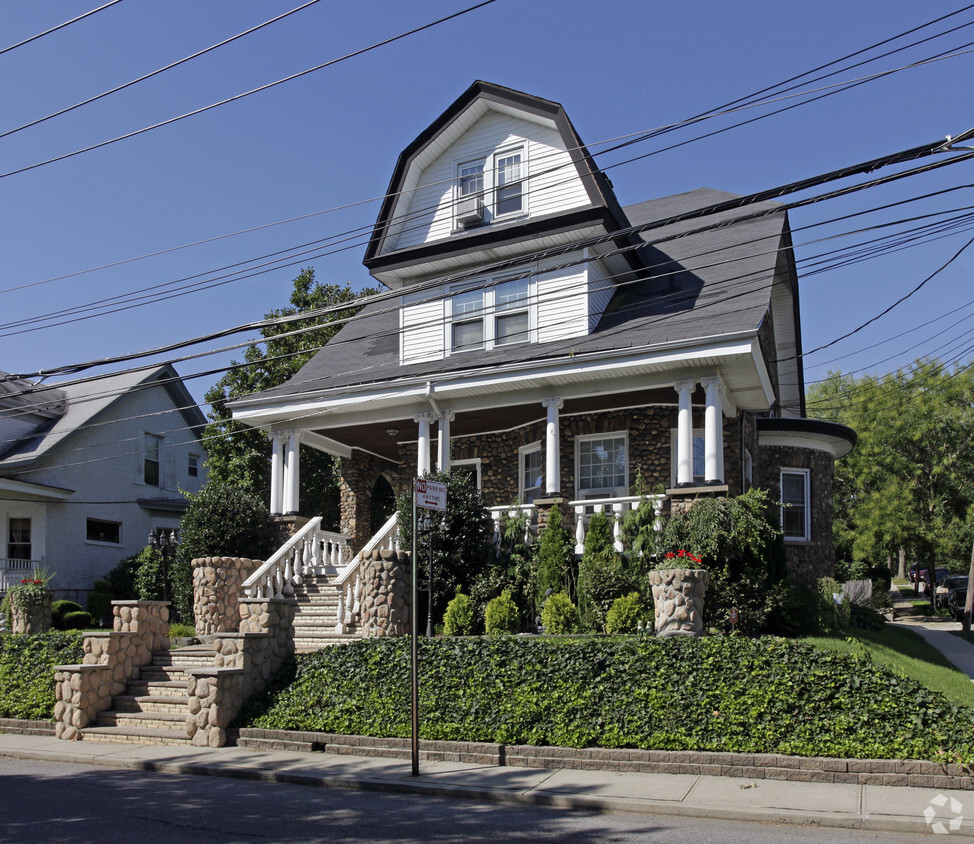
(502, 615)
(459, 617)
(100, 600)
(555, 556)
(76, 621)
(625, 614)
(559, 615)
(59, 609)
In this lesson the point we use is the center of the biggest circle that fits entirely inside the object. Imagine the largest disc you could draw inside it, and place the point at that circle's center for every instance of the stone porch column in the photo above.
(713, 431)
(684, 433)
(552, 474)
(292, 471)
(277, 473)
(443, 441)
(423, 446)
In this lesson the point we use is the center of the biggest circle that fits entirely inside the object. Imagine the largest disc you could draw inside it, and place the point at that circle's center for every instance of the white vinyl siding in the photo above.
(600, 288)
(562, 304)
(427, 213)
(422, 330)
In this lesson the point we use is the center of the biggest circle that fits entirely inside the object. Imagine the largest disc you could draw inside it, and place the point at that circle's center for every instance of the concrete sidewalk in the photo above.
(873, 807)
(959, 651)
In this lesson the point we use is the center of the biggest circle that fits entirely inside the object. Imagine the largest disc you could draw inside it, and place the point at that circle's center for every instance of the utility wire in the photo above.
(56, 28)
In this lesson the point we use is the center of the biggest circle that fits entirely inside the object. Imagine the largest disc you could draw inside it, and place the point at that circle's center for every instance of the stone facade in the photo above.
(31, 619)
(807, 561)
(359, 474)
(217, 590)
(110, 660)
(385, 589)
(242, 665)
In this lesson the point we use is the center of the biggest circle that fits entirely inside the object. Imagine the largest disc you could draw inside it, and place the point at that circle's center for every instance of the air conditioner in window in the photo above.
(471, 211)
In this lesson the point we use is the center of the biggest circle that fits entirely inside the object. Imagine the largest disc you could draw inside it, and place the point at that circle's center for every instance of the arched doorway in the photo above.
(383, 503)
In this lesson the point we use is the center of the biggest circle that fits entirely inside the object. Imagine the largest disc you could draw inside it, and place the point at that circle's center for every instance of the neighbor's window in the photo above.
(97, 530)
(530, 473)
(193, 470)
(795, 515)
(602, 464)
(151, 465)
(18, 539)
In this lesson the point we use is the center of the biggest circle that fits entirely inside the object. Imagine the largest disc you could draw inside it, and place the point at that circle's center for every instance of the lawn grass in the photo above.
(908, 653)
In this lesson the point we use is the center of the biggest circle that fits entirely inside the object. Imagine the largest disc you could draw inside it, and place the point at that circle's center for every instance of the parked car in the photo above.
(956, 600)
(952, 581)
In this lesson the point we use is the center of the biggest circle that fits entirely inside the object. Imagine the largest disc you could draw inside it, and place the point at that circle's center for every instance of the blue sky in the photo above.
(331, 139)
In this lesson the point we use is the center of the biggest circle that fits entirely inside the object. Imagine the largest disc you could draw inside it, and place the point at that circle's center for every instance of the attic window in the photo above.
(507, 169)
(486, 192)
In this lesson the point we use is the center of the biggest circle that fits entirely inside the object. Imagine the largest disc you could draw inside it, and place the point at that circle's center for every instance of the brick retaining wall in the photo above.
(911, 772)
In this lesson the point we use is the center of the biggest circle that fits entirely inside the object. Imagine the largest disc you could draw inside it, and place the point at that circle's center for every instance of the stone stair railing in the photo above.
(309, 550)
(349, 581)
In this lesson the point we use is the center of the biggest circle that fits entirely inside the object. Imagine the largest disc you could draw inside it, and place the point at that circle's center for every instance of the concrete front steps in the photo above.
(317, 615)
(154, 707)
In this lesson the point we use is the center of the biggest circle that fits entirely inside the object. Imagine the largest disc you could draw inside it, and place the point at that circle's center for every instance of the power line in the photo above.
(59, 26)
(257, 90)
(156, 72)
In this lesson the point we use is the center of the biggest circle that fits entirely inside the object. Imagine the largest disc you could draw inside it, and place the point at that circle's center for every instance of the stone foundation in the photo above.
(217, 590)
(385, 588)
(110, 660)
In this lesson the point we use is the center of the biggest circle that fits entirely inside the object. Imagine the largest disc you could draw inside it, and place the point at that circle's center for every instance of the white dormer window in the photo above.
(498, 313)
(490, 188)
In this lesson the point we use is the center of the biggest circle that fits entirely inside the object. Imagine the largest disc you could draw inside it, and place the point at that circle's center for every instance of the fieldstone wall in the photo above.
(243, 664)
(678, 600)
(217, 590)
(110, 660)
(807, 561)
(385, 593)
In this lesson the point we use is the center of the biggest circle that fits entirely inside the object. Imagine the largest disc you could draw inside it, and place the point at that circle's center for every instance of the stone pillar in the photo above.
(423, 445)
(552, 474)
(713, 431)
(277, 473)
(217, 591)
(684, 434)
(385, 593)
(443, 441)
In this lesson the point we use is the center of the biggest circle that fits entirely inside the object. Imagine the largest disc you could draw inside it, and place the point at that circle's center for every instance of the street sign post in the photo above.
(428, 495)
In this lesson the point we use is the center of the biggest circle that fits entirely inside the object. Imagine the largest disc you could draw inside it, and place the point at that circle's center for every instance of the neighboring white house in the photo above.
(87, 470)
(556, 345)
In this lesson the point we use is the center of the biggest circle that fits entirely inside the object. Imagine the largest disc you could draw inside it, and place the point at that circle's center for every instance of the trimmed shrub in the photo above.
(555, 556)
(458, 620)
(149, 581)
(59, 609)
(502, 615)
(77, 621)
(559, 615)
(625, 614)
(100, 600)
(719, 694)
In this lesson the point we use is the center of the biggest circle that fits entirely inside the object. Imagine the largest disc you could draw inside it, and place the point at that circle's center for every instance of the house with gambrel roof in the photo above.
(556, 345)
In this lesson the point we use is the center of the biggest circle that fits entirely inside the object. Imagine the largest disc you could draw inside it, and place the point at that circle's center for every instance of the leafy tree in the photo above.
(240, 455)
(907, 482)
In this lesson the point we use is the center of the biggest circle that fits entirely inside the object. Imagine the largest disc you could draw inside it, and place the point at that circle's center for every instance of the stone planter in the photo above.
(32, 619)
(678, 597)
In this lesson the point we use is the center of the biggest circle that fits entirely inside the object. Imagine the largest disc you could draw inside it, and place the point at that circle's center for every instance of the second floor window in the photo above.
(468, 321)
(150, 473)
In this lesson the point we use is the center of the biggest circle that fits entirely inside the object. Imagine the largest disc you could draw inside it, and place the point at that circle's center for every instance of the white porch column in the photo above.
(292, 471)
(552, 450)
(277, 472)
(713, 431)
(423, 447)
(443, 440)
(684, 433)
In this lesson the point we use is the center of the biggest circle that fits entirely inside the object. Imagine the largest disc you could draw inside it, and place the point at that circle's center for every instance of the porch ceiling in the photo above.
(373, 437)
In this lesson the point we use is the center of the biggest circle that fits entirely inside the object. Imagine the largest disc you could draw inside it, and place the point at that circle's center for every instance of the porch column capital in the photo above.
(713, 382)
(426, 417)
(685, 385)
(553, 401)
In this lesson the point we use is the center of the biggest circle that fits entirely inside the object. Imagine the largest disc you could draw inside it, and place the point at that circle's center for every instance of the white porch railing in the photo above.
(15, 569)
(615, 508)
(349, 590)
(310, 550)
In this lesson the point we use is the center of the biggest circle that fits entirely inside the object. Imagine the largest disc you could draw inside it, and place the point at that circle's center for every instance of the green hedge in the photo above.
(27, 671)
(733, 694)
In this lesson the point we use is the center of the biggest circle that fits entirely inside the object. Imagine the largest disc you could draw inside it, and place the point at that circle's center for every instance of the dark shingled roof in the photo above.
(698, 285)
